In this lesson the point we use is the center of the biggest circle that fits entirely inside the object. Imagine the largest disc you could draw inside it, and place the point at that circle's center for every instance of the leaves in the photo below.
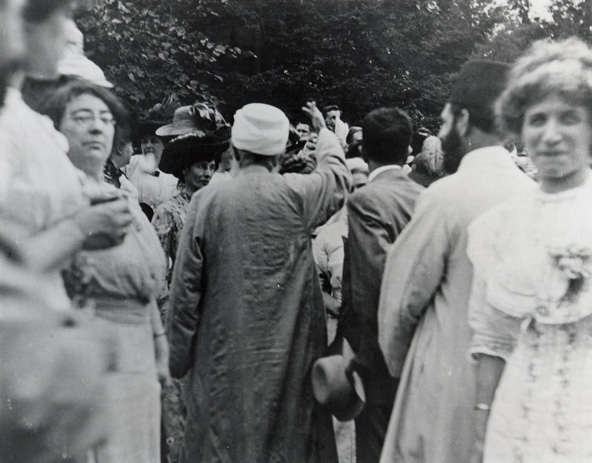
(359, 54)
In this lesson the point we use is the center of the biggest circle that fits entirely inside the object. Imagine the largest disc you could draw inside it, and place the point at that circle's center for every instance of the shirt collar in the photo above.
(489, 155)
(375, 173)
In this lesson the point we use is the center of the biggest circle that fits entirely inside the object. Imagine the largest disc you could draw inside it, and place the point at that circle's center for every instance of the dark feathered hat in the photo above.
(157, 116)
(207, 141)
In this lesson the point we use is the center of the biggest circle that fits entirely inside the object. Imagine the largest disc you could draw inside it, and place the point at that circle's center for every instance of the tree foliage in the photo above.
(359, 54)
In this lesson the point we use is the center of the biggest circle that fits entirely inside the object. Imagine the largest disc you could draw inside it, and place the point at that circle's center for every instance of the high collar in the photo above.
(376, 172)
(252, 169)
(489, 155)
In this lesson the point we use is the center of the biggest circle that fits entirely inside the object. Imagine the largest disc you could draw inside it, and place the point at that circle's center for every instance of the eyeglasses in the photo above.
(87, 119)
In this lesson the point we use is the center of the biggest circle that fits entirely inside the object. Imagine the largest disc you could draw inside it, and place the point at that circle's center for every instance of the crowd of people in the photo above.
(270, 290)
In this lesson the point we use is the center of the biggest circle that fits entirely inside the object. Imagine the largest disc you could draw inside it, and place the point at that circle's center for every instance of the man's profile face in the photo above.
(12, 44)
(453, 146)
(331, 117)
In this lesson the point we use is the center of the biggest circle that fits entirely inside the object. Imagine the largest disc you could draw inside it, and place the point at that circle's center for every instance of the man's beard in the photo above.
(454, 150)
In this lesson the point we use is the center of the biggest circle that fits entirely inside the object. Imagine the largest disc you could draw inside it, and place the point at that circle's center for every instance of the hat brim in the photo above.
(176, 129)
(343, 397)
(181, 154)
(146, 127)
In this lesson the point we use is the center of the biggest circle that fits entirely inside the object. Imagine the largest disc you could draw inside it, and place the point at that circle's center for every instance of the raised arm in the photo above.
(322, 192)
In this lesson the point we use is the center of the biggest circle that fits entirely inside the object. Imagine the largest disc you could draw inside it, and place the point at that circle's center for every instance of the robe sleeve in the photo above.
(186, 290)
(414, 268)
(323, 191)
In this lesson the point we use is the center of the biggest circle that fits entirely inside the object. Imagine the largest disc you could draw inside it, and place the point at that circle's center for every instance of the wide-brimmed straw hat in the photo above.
(337, 389)
(199, 118)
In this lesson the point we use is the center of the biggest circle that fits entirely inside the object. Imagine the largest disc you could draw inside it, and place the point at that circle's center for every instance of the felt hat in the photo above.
(479, 83)
(260, 129)
(183, 151)
(338, 390)
(199, 118)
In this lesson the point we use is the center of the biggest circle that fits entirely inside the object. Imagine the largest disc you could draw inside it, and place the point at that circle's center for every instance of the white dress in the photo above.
(39, 186)
(154, 186)
(531, 305)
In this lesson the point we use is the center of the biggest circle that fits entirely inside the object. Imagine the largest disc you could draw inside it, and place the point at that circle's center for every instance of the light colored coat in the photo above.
(423, 326)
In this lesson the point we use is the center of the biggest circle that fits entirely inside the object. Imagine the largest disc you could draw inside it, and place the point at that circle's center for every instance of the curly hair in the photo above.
(563, 68)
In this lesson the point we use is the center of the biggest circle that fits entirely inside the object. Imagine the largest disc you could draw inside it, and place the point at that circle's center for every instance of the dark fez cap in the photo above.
(479, 83)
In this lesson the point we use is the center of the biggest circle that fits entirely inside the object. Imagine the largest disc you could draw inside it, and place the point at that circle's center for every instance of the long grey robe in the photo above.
(424, 302)
(247, 316)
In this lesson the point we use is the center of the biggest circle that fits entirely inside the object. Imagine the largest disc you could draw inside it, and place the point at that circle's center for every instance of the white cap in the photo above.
(74, 63)
(260, 129)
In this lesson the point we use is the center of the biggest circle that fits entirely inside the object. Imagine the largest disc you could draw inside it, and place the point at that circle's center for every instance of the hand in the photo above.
(316, 117)
(481, 418)
(163, 373)
(104, 225)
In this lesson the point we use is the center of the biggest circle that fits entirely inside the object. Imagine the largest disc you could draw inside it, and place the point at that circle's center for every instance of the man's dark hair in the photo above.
(480, 117)
(331, 107)
(387, 135)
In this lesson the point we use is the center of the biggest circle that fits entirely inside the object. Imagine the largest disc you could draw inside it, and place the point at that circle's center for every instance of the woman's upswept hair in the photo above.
(58, 99)
(563, 68)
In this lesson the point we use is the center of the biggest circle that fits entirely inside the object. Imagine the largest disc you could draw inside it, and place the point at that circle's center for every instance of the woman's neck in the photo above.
(557, 185)
(93, 170)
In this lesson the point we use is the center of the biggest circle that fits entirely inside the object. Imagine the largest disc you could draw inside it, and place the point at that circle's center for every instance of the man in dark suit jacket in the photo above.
(377, 214)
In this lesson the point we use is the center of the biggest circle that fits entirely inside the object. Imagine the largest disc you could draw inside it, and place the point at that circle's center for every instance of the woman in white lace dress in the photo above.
(531, 307)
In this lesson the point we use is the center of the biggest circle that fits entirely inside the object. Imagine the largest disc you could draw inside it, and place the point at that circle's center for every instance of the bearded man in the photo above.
(422, 316)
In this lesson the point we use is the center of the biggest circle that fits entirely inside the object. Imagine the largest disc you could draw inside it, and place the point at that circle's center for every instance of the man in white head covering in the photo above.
(246, 310)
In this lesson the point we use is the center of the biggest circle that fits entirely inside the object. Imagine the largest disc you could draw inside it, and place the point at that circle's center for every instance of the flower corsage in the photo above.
(574, 264)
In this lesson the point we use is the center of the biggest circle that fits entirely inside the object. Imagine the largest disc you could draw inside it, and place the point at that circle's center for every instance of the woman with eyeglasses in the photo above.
(119, 285)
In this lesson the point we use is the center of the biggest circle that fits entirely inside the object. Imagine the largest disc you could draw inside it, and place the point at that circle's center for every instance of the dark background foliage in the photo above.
(358, 54)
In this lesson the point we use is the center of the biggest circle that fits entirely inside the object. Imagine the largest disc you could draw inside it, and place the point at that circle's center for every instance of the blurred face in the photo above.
(226, 161)
(199, 174)
(45, 43)
(123, 154)
(331, 117)
(89, 127)
(452, 143)
(12, 42)
(360, 179)
(151, 144)
(303, 130)
(557, 137)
